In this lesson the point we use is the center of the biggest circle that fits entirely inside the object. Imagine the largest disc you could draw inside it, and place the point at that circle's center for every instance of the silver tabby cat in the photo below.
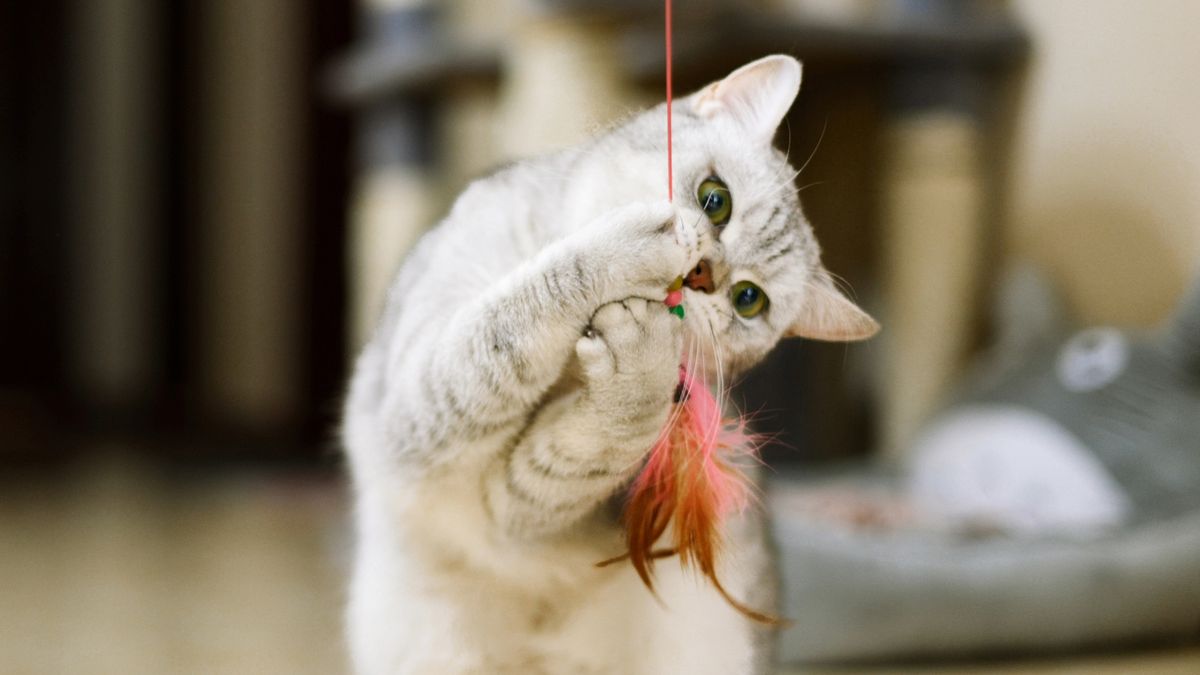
(524, 366)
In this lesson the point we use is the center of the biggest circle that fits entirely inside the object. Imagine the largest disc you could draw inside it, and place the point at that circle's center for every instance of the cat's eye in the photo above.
(715, 199)
(748, 300)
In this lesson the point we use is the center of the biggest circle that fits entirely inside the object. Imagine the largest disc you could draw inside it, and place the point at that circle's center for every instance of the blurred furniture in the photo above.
(170, 226)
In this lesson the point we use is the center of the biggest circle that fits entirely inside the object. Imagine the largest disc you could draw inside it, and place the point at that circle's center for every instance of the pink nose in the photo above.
(700, 278)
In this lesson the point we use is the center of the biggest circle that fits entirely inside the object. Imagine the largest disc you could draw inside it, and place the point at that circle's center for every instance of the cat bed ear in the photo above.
(755, 96)
(1027, 308)
(1184, 329)
(829, 316)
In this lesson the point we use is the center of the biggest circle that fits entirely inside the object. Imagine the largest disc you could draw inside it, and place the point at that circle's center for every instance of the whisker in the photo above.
(769, 191)
(821, 137)
(720, 393)
(676, 410)
(783, 184)
(842, 285)
(787, 152)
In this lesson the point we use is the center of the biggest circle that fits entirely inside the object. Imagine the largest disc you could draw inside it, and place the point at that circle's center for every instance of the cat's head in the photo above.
(760, 278)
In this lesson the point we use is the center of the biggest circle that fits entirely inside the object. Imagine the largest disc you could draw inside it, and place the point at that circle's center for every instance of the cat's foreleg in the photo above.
(581, 447)
(499, 354)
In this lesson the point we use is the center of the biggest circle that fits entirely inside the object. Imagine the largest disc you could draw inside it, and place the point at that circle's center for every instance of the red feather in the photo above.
(689, 479)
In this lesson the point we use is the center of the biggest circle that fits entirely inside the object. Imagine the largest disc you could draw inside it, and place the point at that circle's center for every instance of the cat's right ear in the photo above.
(755, 96)
(829, 316)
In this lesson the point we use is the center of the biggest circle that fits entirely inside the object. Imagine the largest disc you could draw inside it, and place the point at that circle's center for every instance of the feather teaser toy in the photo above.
(691, 478)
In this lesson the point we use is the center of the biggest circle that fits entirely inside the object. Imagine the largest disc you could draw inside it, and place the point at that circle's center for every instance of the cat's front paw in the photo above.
(647, 248)
(630, 354)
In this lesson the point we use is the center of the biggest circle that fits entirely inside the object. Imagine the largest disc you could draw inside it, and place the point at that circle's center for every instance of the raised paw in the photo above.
(632, 349)
(645, 247)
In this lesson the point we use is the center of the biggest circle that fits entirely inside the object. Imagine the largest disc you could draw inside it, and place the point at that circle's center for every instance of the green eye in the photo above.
(748, 299)
(714, 197)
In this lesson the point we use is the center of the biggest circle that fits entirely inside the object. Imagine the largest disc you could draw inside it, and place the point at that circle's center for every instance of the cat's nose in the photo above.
(701, 278)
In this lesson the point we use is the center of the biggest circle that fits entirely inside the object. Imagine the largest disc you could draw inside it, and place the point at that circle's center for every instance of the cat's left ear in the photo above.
(828, 316)
(755, 96)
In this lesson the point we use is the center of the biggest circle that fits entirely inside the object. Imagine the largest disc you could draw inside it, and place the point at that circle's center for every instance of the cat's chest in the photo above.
(442, 514)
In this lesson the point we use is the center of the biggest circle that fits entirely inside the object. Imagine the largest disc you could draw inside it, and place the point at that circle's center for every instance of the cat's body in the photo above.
(524, 366)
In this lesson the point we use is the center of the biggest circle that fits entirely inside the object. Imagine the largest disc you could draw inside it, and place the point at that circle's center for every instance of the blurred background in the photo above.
(201, 204)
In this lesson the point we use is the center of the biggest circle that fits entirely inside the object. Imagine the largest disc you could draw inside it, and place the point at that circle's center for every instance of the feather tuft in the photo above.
(691, 477)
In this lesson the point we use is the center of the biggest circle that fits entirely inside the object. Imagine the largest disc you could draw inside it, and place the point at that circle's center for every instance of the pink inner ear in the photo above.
(756, 96)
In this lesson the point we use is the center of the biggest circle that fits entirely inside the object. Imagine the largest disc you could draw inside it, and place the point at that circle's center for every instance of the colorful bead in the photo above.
(676, 285)
(677, 310)
(674, 298)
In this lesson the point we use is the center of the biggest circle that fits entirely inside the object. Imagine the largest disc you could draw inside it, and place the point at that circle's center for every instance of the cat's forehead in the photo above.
(726, 147)
(767, 233)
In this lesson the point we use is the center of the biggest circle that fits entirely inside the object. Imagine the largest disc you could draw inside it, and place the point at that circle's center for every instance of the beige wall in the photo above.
(1106, 177)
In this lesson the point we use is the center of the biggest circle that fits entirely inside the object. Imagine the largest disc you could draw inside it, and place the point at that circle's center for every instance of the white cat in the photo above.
(524, 366)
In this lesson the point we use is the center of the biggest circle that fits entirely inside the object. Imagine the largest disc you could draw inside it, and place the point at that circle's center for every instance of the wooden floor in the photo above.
(121, 569)
(116, 567)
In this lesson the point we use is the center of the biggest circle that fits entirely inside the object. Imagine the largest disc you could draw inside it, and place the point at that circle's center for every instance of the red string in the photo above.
(670, 165)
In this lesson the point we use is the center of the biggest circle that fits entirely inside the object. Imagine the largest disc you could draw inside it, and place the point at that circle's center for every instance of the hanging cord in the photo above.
(670, 159)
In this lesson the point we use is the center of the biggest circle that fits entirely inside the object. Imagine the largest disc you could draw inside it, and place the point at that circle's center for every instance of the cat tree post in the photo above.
(394, 196)
(563, 79)
(932, 221)
(423, 84)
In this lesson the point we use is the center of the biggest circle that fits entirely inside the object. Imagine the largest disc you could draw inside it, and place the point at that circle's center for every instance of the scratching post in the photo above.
(561, 81)
(394, 196)
(932, 221)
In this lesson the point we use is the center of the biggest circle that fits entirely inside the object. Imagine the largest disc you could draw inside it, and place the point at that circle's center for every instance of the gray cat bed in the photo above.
(862, 594)
(1054, 505)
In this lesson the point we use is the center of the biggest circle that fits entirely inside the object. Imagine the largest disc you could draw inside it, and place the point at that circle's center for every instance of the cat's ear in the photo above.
(755, 96)
(829, 316)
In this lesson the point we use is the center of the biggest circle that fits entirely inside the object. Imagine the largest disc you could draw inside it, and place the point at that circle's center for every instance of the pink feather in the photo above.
(690, 480)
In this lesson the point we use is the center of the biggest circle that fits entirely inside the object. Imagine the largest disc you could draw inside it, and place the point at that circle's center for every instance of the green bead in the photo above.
(677, 310)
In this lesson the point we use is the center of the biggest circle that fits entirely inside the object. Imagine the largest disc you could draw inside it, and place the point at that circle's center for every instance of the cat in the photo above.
(525, 364)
